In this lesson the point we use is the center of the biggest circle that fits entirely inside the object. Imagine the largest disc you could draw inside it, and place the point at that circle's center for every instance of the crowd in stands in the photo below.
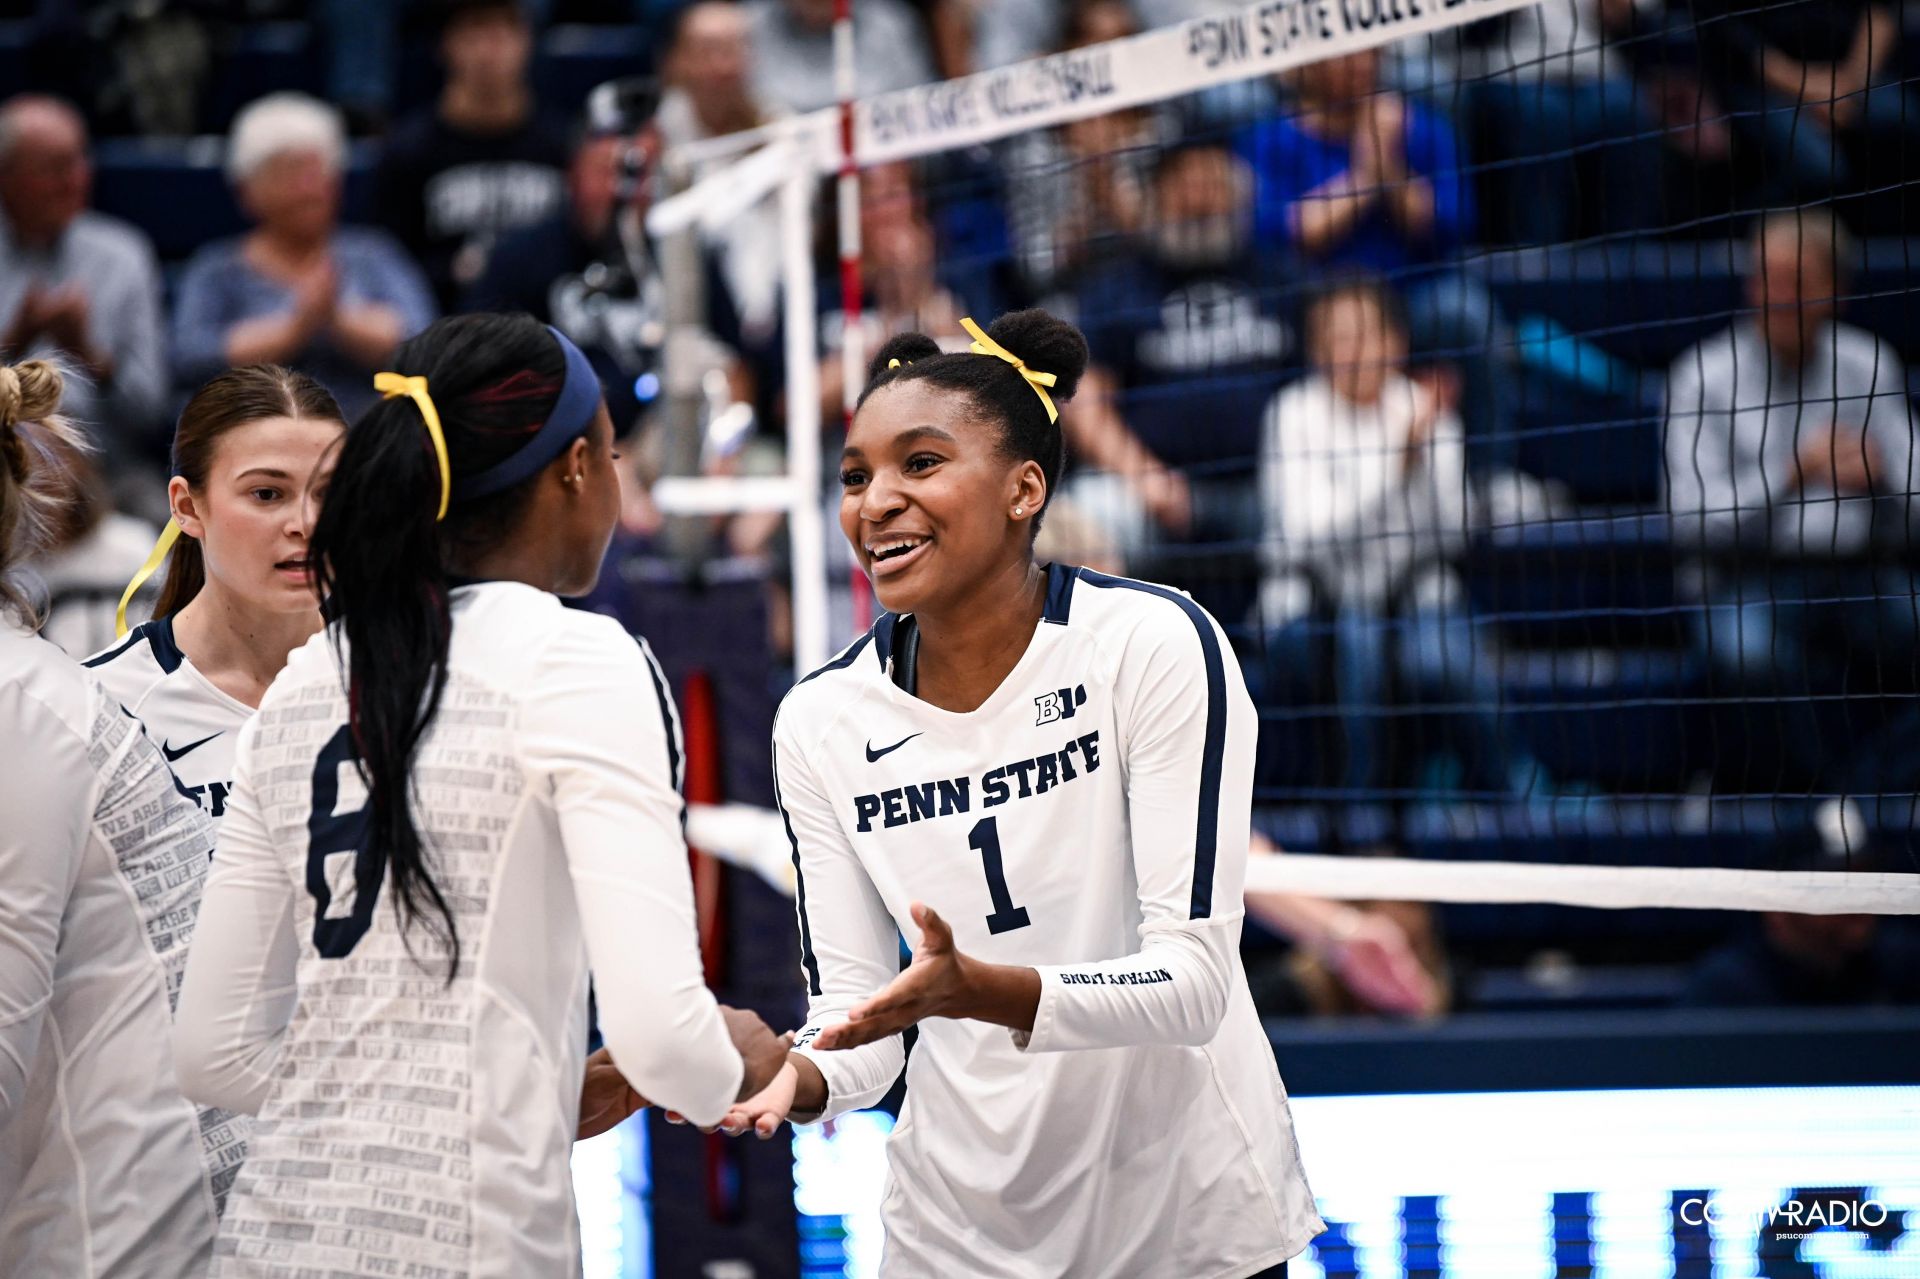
(1364, 336)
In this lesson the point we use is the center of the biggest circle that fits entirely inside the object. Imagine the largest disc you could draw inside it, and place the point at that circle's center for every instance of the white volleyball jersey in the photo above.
(102, 862)
(1088, 820)
(408, 1125)
(195, 724)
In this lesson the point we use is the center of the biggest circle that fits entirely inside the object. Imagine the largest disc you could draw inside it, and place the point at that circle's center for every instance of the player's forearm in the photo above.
(1003, 994)
(810, 1095)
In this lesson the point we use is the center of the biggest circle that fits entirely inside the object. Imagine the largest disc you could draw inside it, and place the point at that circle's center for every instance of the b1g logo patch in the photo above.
(1059, 704)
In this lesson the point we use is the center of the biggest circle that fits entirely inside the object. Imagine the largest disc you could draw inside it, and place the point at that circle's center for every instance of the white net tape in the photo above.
(1154, 66)
(756, 839)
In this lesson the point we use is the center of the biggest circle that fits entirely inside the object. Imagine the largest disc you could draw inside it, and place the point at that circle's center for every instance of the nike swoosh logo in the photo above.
(173, 754)
(873, 754)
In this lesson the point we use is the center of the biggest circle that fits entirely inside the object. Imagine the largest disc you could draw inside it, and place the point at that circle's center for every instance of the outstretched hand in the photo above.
(931, 986)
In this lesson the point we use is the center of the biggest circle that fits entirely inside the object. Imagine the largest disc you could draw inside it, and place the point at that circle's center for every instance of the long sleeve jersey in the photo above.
(1088, 820)
(408, 1123)
(102, 861)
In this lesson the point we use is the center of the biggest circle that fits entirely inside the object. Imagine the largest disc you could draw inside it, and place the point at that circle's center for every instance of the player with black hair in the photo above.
(1045, 774)
(505, 773)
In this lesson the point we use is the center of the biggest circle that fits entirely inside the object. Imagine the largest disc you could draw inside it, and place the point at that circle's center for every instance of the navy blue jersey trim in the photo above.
(138, 635)
(807, 960)
(1206, 834)
(666, 728)
(157, 635)
(883, 637)
(843, 661)
(1060, 578)
(160, 640)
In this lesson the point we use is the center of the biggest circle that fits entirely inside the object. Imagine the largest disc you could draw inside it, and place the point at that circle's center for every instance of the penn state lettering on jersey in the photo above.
(943, 797)
(195, 724)
(1089, 820)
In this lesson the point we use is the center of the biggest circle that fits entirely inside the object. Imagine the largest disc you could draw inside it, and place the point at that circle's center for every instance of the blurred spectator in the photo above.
(900, 291)
(1789, 472)
(299, 289)
(577, 272)
(75, 284)
(1784, 959)
(1347, 957)
(1803, 77)
(979, 35)
(1190, 335)
(483, 160)
(793, 50)
(708, 94)
(1357, 176)
(91, 553)
(1363, 485)
(1079, 191)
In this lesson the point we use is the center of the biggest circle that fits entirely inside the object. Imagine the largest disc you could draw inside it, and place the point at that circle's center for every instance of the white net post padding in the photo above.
(779, 171)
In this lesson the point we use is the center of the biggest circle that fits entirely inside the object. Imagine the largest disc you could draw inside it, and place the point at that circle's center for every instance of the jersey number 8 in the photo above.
(331, 836)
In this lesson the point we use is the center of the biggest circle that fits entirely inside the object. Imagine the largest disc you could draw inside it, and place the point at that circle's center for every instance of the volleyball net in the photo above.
(1523, 387)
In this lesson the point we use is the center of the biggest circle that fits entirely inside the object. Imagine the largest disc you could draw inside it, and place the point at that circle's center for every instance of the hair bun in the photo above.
(904, 347)
(1046, 344)
(29, 391)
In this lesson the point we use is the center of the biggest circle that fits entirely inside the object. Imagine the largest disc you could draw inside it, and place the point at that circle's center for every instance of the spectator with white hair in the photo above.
(77, 285)
(299, 289)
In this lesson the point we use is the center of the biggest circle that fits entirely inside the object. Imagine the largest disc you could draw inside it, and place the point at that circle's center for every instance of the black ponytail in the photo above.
(383, 563)
(1044, 343)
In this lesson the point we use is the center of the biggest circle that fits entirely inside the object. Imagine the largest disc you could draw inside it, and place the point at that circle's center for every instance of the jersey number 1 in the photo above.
(331, 836)
(985, 840)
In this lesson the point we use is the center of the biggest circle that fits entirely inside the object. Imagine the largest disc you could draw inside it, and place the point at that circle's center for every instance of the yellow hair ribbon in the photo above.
(896, 362)
(155, 558)
(393, 385)
(984, 345)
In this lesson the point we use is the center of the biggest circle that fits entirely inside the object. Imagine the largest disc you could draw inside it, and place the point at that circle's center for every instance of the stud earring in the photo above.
(1018, 511)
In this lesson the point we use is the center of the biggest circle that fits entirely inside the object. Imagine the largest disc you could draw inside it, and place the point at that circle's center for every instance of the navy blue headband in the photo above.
(572, 414)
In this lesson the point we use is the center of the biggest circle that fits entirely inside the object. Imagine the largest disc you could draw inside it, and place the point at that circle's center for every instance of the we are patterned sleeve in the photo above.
(600, 728)
(1188, 729)
(239, 993)
(43, 792)
(849, 944)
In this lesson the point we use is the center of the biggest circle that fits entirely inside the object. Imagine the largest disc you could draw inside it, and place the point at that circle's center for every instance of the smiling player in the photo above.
(1044, 774)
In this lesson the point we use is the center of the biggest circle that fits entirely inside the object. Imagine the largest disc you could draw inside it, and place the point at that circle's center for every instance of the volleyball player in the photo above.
(101, 866)
(238, 595)
(1045, 775)
(447, 810)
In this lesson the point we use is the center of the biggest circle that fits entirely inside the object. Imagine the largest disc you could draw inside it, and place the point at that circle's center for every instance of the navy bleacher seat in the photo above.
(1647, 302)
(265, 57)
(573, 59)
(1606, 448)
(1586, 582)
(15, 46)
(176, 189)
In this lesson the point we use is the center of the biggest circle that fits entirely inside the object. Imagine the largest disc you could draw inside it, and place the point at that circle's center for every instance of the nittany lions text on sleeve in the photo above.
(409, 1123)
(101, 866)
(1088, 820)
